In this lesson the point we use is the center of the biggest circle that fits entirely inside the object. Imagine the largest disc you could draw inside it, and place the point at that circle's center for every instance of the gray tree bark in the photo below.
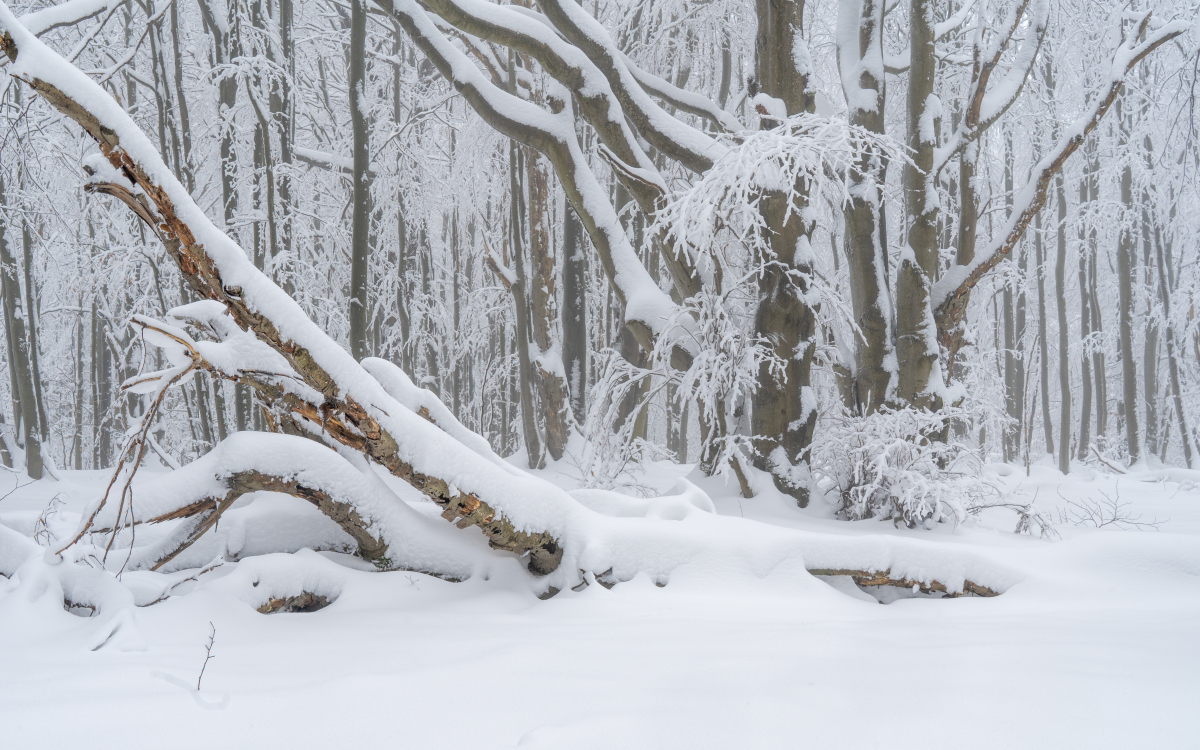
(361, 217)
(1125, 271)
(18, 351)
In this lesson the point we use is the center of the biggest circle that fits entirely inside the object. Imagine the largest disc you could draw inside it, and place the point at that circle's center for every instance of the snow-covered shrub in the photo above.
(899, 464)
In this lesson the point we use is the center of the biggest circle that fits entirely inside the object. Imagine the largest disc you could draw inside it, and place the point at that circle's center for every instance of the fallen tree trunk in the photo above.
(338, 403)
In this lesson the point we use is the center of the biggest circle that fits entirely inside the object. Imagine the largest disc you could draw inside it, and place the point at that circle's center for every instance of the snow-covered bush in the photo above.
(898, 464)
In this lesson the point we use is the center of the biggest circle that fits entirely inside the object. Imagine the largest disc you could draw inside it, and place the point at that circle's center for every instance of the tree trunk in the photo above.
(574, 313)
(1150, 348)
(1164, 295)
(549, 364)
(1043, 339)
(1064, 371)
(1125, 270)
(18, 352)
(360, 221)
(916, 332)
(529, 431)
(783, 415)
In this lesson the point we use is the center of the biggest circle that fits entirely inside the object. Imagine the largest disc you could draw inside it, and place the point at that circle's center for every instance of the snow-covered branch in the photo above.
(952, 291)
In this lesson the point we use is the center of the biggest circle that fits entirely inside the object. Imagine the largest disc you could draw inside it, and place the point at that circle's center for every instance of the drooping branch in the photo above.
(952, 292)
(564, 63)
(65, 14)
(690, 147)
(648, 311)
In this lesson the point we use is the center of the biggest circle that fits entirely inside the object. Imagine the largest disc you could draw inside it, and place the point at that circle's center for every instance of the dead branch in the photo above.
(884, 578)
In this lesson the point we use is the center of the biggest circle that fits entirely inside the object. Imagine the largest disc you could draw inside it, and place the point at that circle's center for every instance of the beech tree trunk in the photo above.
(360, 252)
(781, 418)
(18, 352)
(1125, 271)
(916, 332)
(574, 313)
(1064, 371)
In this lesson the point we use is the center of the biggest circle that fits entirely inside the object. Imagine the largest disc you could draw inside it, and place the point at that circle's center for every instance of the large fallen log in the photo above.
(333, 399)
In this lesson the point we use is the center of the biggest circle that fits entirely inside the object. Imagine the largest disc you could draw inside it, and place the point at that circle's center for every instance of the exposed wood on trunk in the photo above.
(884, 578)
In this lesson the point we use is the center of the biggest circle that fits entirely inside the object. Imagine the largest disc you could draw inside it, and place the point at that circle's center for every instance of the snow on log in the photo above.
(388, 532)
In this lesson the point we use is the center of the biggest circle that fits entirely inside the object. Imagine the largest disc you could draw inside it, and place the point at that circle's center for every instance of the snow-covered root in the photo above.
(386, 531)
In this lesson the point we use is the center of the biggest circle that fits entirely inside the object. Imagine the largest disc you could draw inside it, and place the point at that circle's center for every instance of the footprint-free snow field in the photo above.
(1091, 644)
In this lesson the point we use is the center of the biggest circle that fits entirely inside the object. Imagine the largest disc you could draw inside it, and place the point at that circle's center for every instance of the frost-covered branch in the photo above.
(952, 291)
(69, 13)
(985, 103)
(647, 308)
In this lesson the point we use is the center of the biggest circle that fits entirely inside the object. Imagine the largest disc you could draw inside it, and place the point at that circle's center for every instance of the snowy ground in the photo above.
(1095, 644)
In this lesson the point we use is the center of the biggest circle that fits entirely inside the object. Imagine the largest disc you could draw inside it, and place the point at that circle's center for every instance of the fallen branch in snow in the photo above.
(1101, 459)
(208, 654)
(883, 578)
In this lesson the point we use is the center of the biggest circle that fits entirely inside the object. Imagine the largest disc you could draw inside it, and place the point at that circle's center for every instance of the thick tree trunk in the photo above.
(860, 60)
(783, 413)
(916, 332)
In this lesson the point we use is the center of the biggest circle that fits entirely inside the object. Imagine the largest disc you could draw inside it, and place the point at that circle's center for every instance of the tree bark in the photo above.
(1064, 371)
(551, 385)
(361, 217)
(916, 332)
(18, 352)
(1125, 270)
(574, 313)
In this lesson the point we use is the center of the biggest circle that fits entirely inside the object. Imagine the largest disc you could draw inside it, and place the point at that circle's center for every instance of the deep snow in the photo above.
(1093, 645)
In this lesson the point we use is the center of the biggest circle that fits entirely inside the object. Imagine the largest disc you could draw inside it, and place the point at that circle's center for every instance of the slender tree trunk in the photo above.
(283, 116)
(1013, 383)
(18, 353)
(529, 431)
(574, 313)
(1150, 348)
(77, 439)
(1125, 271)
(1164, 295)
(361, 216)
(1043, 339)
(1064, 371)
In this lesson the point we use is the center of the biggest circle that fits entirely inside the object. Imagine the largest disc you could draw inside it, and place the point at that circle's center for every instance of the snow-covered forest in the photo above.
(789, 308)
